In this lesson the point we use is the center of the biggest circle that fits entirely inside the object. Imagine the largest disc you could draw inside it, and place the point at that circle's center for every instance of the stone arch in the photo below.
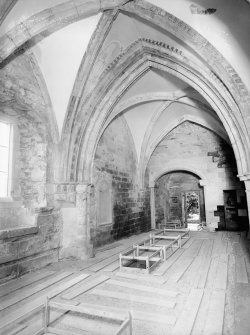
(144, 98)
(138, 58)
(174, 168)
(147, 154)
(50, 20)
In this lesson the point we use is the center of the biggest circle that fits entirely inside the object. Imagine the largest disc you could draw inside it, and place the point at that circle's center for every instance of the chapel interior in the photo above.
(119, 118)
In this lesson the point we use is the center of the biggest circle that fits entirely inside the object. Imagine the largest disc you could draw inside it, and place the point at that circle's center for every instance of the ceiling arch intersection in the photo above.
(149, 144)
(50, 20)
(212, 57)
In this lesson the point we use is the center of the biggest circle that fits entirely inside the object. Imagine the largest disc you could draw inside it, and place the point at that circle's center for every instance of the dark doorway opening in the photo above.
(234, 215)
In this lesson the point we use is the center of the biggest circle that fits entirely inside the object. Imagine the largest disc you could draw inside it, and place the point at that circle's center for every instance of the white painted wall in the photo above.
(138, 119)
(227, 29)
(59, 56)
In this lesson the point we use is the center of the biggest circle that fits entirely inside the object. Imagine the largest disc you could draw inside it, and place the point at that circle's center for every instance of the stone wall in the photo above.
(193, 148)
(115, 163)
(29, 225)
(24, 249)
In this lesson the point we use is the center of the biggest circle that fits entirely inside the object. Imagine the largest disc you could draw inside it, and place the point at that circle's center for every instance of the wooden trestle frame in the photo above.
(159, 250)
(169, 224)
(125, 324)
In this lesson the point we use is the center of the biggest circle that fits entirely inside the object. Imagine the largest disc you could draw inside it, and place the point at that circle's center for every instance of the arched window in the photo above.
(104, 203)
(6, 135)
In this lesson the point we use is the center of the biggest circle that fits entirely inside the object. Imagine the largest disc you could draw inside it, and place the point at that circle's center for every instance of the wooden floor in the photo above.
(203, 288)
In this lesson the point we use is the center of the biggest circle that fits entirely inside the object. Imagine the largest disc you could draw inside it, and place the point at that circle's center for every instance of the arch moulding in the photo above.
(175, 168)
(139, 58)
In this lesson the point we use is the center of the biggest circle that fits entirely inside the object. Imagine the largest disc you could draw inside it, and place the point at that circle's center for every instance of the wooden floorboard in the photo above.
(163, 291)
(241, 271)
(13, 298)
(221, 275)
(163, 267)
(36, 304)
(169, 303)
(187, 318)
(194, 248)
(202, 289)
(201, 316)
(203, 273)
(86, 287)
(215, 315)
(177, 270)
(139, 315)
(24, 281)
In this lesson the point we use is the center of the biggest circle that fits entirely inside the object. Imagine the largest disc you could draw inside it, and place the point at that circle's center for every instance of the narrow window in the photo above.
(5, 159)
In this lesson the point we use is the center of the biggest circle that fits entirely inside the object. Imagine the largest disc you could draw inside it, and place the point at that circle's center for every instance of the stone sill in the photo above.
(9, 203)
(17, 232)
(105, 224)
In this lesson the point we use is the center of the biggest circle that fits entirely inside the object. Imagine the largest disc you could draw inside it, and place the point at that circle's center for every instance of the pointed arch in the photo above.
(148, 150)
(44, 23)
(123, 72)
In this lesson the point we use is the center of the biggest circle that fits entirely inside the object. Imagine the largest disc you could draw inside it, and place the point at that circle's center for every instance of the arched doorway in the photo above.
(179, 198)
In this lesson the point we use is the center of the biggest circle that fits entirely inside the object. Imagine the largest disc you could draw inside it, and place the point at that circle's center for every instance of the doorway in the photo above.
(235, 211)
(179, 198)
(191, 207)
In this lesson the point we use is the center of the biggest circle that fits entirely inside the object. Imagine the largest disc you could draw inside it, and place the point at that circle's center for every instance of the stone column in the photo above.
(76, 231)
(247, 185)
(213, 197)
(83, 230)
(152, 205)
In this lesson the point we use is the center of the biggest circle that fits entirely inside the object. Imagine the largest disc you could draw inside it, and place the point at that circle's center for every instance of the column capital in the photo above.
(203, 182)
(244, 177)
(81, 187)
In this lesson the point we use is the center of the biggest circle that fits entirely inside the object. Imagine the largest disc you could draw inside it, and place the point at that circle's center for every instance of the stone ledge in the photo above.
(17, 232)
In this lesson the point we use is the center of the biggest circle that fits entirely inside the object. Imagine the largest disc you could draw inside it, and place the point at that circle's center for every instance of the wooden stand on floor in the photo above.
(148, 262)
(183, 233)
(170, 224)
(133, 260)
(125, 325)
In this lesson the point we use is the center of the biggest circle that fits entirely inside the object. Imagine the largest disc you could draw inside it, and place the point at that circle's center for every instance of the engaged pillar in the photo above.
(75, 226)
(247, 185)
(152, 206)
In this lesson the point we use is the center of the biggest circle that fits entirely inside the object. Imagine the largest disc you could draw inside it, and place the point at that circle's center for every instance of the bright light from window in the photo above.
(5, 130)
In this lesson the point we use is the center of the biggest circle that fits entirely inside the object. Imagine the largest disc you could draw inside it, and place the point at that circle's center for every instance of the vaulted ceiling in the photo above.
(157, 100)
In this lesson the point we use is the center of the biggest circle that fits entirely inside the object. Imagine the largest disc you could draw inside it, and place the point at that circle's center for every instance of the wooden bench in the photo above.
(124, 324)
